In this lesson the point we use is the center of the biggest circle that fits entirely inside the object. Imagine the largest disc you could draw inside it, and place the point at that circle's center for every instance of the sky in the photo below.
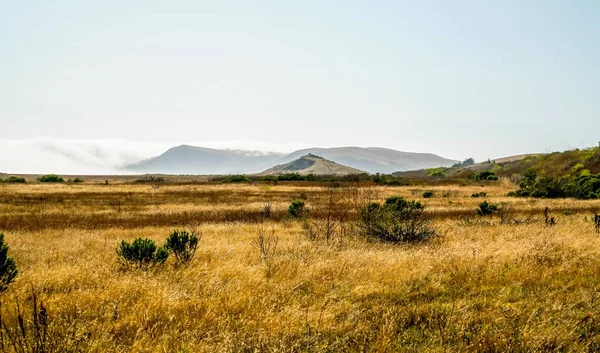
(481, 79)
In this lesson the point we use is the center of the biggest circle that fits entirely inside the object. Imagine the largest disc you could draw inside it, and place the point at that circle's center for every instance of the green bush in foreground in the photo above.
(396, 221)
(297, 209)
(183, 245)
(486, 208)
(8, 267)
(141, 253)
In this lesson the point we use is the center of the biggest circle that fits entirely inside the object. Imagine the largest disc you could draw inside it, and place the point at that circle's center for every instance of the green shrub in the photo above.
(78, 180)
(240, 178)
(8, 267)
(51, 178)
(141, 253)
(183, 245)
(291, 177)
(14, 179)
(396, 221)
(297, 209)
(486, 175)
(486, 208)
(428, 194)
(479, 194)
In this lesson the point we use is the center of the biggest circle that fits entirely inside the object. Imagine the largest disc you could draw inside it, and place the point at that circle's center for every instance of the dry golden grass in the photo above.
(482, 286)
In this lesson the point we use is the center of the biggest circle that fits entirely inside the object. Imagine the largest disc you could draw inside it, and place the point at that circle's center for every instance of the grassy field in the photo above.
(496, 284)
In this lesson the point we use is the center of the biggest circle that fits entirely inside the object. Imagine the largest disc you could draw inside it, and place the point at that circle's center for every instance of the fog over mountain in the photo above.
(101, 156)
(119, 156)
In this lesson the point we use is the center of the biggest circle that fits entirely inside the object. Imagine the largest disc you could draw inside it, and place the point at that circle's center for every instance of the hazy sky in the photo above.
(456, 78)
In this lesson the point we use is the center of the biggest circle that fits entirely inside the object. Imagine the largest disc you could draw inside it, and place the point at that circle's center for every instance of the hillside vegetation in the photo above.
(574, 173)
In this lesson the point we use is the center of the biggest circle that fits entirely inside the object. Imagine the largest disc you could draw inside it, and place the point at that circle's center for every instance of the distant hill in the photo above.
(374, 159)
(187, 159)
(312, 164)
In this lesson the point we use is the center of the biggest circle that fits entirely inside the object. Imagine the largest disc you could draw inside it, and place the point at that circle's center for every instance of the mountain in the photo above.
(312, 164)
(187, 159)
(374, 159)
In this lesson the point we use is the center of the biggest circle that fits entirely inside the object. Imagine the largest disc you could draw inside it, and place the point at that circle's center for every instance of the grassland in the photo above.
(486, 284)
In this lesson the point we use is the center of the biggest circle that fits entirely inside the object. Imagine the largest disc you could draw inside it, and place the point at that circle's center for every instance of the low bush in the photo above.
(14, 180)
(51, 178)
(240, 178)
(141, 253)
(183, 245)
(78, 180)
(8, 267)
(479, 194)
(397, 221)
(297, 209)
(486, 175)
(427, 194)
(486, 208)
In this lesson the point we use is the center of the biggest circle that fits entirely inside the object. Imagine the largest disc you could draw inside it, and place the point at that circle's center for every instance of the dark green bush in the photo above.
(141, 253)
(8, 267)
(240, 178)
(183, 245)
(291, 177)
(78, 180)
(14, 179)
(51, 178)
(396, 220)
(297, 209)
(486, 208)
(486, 175)
(479, 194)
(428, 194)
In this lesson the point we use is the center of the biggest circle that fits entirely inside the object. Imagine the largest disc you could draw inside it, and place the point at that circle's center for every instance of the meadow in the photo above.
(499, 283)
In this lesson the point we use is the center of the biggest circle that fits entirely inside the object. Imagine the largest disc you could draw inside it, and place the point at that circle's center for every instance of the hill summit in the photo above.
(312, 164)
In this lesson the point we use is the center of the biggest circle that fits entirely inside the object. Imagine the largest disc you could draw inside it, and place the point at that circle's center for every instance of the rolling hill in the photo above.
(312, 164)
(374, 159)
(187, 159)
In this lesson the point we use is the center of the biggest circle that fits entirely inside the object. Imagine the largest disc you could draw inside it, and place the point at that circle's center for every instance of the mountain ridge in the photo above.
(187, 159)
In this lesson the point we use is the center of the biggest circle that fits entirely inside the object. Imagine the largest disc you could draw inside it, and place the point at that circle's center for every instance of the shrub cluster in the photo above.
(396, 220)
(581, 187)
(479, 194)
(486, 175)
(14, 180)
(143, 253)
(51, 178)
(240, 178)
